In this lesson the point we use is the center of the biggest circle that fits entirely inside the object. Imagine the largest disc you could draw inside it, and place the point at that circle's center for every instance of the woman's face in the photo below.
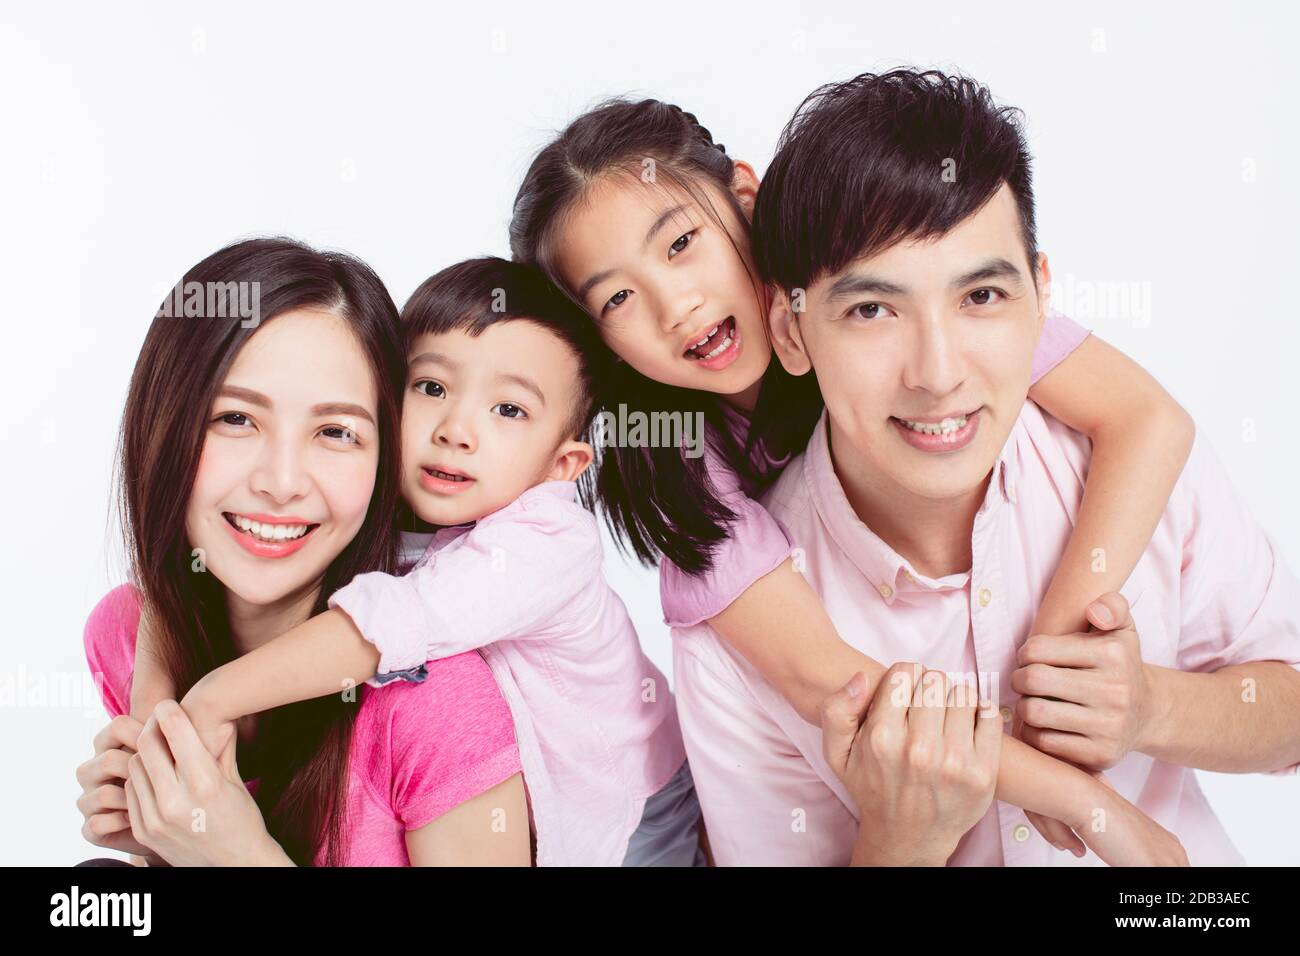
(289, 459)
(660, 276)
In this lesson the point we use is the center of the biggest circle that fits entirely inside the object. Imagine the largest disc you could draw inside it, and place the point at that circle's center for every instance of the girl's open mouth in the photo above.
(719, 347)
(267, 539)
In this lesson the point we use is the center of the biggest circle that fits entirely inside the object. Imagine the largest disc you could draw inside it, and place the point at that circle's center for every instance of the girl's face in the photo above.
(666, 286)
(289, 460)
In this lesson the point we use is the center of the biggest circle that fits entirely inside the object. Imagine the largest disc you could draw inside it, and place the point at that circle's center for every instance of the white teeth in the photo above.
(270, 532)
(707, 335)
(946, 428)
(726, 344)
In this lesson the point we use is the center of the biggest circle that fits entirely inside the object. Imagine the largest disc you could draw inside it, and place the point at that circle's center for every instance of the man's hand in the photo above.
(922, 767)
(1086, 697)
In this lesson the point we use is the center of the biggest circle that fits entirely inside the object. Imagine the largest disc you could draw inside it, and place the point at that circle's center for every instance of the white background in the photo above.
(133, 144)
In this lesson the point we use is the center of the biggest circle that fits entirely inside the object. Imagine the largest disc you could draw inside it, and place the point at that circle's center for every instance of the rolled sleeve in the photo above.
(389, 612)
(1061, 335)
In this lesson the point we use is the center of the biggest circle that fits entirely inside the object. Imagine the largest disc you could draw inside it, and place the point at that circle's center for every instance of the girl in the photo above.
(217, 438)
(643, 220)
(502, 384)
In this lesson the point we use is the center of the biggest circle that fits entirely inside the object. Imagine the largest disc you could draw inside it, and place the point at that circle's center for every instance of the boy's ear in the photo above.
(1043, 277)
(744, 183)
(787, 339)
(572, 458)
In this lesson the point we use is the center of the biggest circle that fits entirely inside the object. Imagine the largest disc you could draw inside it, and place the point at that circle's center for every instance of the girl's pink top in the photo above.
(757, 543)
(417, 750)
(596, 722)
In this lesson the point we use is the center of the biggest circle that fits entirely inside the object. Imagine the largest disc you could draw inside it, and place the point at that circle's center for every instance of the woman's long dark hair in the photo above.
(657, 500)
(302, 748)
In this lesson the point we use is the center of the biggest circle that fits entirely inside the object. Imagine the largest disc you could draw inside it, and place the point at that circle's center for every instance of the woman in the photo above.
(258, 475)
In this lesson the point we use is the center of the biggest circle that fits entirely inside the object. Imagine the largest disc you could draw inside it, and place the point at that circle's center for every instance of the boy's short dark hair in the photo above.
(474, 294)
(882, 158)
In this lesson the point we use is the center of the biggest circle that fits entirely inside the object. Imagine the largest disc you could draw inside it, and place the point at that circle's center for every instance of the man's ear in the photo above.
(744, 183)
(787, 338)
(571, 459)
(1043, 278)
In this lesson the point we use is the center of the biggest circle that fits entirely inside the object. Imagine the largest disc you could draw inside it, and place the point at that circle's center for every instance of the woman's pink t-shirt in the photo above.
(417, 750)
(757, 543)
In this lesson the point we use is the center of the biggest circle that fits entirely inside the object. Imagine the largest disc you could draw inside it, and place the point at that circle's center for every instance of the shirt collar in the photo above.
(887, 570)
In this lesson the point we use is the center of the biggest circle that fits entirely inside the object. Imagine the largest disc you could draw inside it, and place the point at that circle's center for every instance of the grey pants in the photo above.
(669, 832)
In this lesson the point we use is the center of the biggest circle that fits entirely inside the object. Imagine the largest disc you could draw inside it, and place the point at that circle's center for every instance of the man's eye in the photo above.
(870, 310)
(509, 411)
(432, 389)
(985, 296)
(617, 299)
(682, 242)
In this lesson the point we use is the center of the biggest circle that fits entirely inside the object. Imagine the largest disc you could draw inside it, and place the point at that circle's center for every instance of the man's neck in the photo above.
(932, 534)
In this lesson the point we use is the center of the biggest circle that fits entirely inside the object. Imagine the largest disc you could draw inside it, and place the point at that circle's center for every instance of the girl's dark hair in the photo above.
(864, 164)
(302, 748)
(657, 501)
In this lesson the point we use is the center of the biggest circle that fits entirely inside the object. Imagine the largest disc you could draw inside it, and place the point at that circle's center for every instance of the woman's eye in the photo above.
(870, 310)
(617, 299)
(340, 432)
(235, 419)
(432, 389)
(985, 296)
(682, 242)
(509, 411)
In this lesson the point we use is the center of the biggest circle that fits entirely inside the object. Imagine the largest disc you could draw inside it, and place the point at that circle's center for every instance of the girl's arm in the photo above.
(1141, 438)
(467, 834)
(761, 623)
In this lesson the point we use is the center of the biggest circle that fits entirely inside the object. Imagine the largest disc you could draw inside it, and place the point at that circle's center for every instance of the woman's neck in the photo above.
(252, 625)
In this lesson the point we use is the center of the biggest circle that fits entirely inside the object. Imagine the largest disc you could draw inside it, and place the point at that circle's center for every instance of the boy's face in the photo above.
(486, 418)
(920, 333)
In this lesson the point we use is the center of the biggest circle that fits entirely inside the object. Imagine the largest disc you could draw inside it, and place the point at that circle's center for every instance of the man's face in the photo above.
(923, 352)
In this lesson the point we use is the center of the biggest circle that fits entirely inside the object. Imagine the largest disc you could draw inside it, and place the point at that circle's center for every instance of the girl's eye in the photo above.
(985, 296)
(615, 300)
(870, 310)
(682, 242)
(510, 411)
(341, 433)
(430, 388)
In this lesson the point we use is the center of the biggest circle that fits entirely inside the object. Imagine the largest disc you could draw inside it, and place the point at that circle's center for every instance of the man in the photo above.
(896, 223)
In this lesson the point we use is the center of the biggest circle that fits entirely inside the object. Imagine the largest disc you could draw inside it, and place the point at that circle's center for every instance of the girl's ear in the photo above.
(571, 460)
(787, 339)
(744, 183)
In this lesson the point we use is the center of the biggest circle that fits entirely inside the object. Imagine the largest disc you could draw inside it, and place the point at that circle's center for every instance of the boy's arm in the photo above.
(1141, 438)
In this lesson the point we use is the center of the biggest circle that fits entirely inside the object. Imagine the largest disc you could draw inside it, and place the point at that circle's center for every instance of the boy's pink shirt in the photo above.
(416, 751)
(596, 722)
(757, 543)
(1209, 591)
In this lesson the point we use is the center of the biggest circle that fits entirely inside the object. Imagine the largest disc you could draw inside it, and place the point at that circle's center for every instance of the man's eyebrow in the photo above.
(993, 269)
(861, 283)
(524, 383)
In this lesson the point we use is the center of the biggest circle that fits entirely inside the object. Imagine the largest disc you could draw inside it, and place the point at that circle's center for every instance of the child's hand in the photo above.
(213, 729)
(1121, 834)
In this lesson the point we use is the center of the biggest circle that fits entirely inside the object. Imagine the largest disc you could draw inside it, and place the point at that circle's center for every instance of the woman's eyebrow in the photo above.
(244, 394)
(342, 408)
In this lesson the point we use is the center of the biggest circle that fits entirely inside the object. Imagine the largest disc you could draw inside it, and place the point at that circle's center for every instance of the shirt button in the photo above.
(886, 591)
(1006, 715)
(985, 596)
(1020, 833)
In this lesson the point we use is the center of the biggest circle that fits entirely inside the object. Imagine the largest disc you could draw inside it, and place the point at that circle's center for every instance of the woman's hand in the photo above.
(189, 807)
(922, 767)
(103, 798)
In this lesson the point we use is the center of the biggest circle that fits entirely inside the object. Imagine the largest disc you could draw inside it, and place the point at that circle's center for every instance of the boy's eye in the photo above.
(682, 242)
(870, 310)
(985, 296)
(430, 388)
(509, 411)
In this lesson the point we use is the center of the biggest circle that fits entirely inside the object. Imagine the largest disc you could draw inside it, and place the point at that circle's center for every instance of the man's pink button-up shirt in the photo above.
(1210, 590)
